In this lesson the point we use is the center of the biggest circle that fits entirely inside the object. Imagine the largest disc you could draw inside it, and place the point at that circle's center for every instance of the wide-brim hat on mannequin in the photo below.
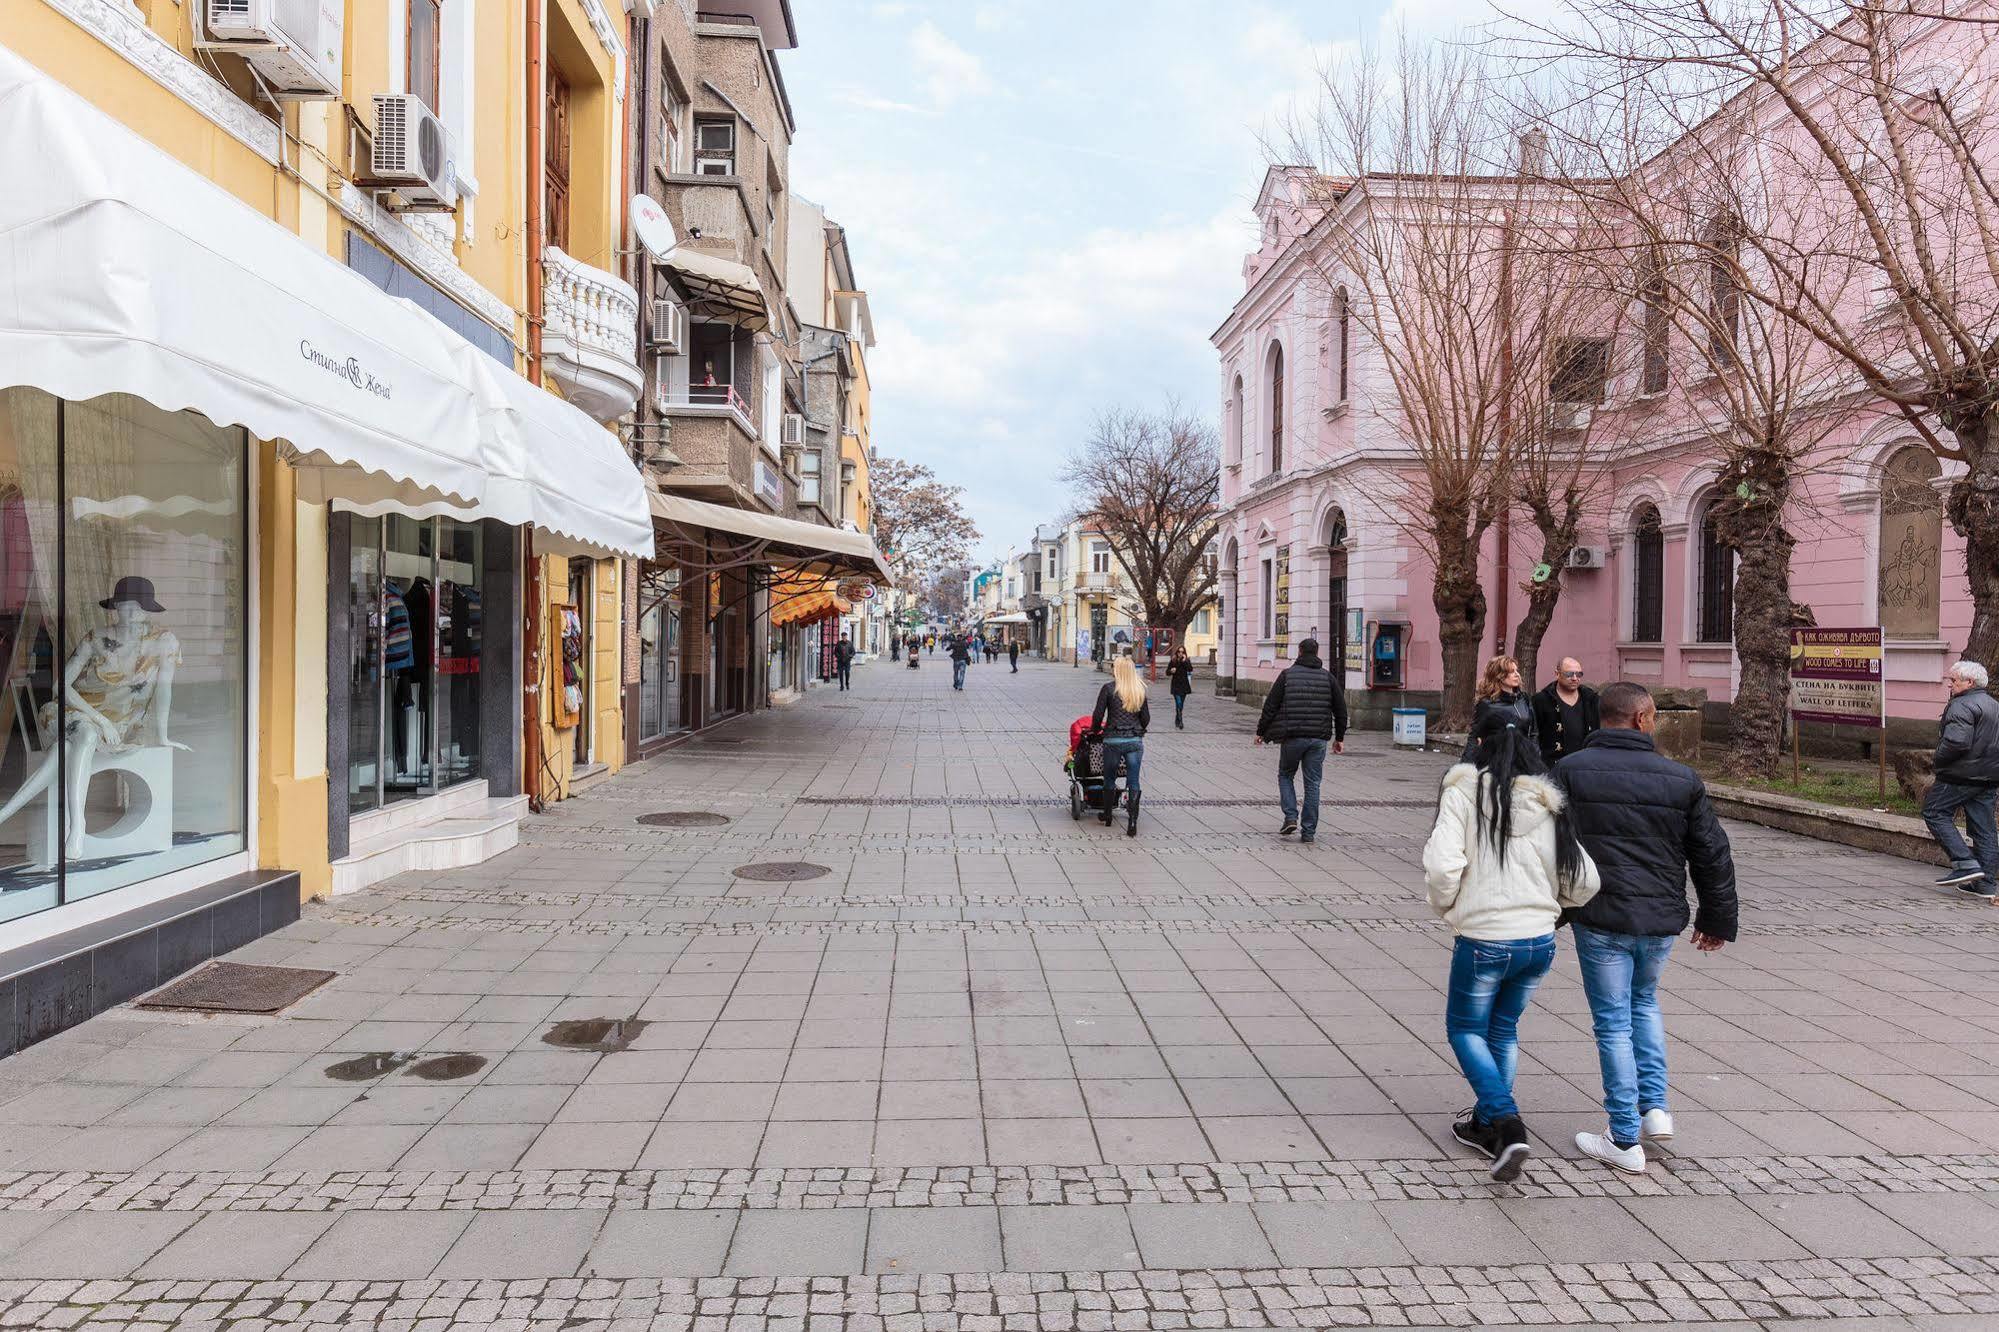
(135, 589)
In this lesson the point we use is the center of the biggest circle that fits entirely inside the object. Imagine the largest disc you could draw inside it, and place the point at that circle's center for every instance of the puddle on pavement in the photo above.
(367, 1067)
(446, 1068)
(601, 1035)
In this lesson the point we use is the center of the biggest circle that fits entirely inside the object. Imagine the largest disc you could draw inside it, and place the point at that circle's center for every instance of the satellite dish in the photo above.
(651, 228)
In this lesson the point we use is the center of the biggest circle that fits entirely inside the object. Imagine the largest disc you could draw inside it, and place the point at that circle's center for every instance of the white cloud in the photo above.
(948, 70)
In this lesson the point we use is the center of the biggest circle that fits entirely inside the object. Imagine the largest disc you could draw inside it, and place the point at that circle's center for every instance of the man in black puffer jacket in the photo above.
(1305, 710)
(1646, 822)
(1967, 772)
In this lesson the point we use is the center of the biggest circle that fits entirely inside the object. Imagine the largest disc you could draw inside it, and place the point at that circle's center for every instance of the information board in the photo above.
(1836, 676)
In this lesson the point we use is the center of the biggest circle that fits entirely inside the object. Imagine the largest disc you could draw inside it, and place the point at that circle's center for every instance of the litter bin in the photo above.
(1411, 727)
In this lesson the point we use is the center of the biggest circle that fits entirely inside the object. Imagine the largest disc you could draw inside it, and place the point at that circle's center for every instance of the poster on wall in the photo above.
(1836, 677)
(1281, 603)
(1356, 640)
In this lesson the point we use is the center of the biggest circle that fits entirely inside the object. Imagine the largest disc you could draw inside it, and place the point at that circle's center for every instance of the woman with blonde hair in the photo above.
(1121, 715)
(1500, 695)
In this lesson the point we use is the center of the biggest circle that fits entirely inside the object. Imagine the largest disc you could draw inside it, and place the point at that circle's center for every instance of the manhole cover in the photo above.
(231, 987)
(684, 818)
(782, 871)
(602, 1035)
(447, 1068)
(367, 1067)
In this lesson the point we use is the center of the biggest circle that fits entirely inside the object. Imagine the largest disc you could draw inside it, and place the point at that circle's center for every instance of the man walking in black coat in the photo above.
(1967, 778)
(1646, 822)
(1013, 655)
(1565, 713)
(843, 661)
(1304, 712)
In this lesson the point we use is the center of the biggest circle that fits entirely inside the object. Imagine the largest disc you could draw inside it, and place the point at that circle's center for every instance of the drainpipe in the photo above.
(531, 670)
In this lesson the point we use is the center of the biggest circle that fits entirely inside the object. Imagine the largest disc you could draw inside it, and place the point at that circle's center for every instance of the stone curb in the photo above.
(1863, 829)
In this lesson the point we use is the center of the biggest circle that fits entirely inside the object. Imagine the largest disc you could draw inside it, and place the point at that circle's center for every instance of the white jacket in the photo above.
(1472, 890)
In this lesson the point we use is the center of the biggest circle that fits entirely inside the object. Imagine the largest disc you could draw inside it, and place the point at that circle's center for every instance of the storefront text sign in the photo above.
(1836, 676)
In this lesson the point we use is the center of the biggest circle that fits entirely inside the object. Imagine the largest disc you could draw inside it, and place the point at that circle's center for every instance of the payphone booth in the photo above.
(1387, 654)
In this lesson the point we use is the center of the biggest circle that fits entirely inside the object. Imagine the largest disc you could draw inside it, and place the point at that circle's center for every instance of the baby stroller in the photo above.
(1085, 766)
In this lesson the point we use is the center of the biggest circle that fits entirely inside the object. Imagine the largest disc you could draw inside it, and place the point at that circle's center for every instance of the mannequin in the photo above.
(117, 690)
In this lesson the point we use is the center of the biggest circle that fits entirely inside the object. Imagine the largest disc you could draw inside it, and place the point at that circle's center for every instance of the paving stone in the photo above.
(961, 1239)
(522, 1244)
(676, 1244)
(381, 1246)
(829, 1243)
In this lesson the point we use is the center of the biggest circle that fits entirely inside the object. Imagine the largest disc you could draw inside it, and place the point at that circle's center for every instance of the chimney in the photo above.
(1533, 152)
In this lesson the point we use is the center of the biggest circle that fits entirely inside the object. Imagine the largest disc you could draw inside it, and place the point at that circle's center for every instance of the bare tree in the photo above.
(1151, 483)
(1467, 286)
(919, 521)
(1867, 111)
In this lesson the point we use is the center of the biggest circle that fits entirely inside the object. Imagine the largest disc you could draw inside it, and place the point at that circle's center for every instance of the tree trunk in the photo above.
(1557, 540)
(1973, 508)
(1754, 529)
(1460, 603)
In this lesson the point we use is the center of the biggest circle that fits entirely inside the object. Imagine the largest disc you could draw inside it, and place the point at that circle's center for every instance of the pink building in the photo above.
(1314, 542)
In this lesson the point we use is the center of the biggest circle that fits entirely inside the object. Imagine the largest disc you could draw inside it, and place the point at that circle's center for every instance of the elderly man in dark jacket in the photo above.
(1304, 712)
(1967, 778)
(1646, 822)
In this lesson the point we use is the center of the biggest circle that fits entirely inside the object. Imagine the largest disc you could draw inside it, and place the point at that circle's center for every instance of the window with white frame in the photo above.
(808, 478)
(673, 113)
(1100, 557)
(715, 145)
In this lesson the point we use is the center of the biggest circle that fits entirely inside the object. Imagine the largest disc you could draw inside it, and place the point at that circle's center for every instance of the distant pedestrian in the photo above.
(894, 648)
(843, 661)
(1565, 713)
(1646, 822)
(1499, 692)
(1013, 656)
(1180, 680)
(915, 656)
(961, 657)
(1305, 711)
(1122, 715)
(1967, 778)
(1501, 865)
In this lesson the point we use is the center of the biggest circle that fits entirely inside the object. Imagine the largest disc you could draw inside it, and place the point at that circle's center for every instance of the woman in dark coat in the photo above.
(1122, 716)
(1500, 694)
(1180, 677)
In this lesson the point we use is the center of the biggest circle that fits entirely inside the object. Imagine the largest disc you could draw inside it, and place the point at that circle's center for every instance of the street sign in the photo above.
(1836, 676)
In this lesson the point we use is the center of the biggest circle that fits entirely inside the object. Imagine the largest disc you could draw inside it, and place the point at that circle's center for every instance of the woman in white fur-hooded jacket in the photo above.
(1501, 866)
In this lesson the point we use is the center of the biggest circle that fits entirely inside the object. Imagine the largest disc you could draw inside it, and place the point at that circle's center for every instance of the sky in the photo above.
(1048, 203)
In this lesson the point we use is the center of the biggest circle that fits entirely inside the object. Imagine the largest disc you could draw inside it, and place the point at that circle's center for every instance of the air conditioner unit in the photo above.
(1586, 557)
(1569, 416)
(794, 428)
(413, 153)
(294, 45)
(667, 330)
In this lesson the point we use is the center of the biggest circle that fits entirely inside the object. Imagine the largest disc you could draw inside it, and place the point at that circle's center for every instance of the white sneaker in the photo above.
(1658, 1126)
(1630, 1159)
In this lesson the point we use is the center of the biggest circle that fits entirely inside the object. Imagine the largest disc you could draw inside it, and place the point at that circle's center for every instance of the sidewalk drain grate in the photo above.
(684, 818)
(782, 871)
(232, 987)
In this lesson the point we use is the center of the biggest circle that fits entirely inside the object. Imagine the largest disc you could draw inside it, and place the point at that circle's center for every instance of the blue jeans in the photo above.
(958, 674)
(1621, 979)
(1128, 753)
(1940, 808)
(1491, 983)
(1179, 706)
(1312, 755)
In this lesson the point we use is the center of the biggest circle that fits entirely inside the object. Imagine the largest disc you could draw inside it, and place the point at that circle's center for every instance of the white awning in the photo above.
(718, 288)
(1011, 617)
(789, 542)
(123, 271)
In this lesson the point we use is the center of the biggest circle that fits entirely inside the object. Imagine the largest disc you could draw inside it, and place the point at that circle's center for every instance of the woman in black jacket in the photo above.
(1499, 694)
(1180, 677)
(1122, 714)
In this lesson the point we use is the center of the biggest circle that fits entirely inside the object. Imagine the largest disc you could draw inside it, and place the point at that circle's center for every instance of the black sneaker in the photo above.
(1290, 826)
(1306, 838)
(1513, 1149)
(1984, 889)
(1957, 877)
(1477, 1134)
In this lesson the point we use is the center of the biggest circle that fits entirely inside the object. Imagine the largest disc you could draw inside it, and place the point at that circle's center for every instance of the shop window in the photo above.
(1715, 602)
(416, 636)
(1648, 565)
(1911, 547)
(124, 592)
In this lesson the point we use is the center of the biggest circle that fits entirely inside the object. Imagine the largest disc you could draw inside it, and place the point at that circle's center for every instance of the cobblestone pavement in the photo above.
(982, 1067)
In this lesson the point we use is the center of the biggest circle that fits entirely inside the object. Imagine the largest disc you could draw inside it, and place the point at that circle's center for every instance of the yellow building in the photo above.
(277, 484)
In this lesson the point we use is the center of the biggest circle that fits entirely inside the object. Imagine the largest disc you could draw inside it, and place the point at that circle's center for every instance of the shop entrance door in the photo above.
(579, 597)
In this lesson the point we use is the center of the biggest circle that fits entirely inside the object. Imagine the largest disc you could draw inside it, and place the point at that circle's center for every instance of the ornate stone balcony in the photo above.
(590, 341)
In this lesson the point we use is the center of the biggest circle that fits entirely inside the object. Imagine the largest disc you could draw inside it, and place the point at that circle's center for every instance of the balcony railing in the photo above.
(710, 400)
(590, 336)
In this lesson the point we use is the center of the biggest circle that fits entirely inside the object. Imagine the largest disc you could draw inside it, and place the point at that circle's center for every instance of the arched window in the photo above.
(1276, 408)
(1714, 606)
(1343, 321)
(1911, 545)
(1235, 422)
(1648, 583)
